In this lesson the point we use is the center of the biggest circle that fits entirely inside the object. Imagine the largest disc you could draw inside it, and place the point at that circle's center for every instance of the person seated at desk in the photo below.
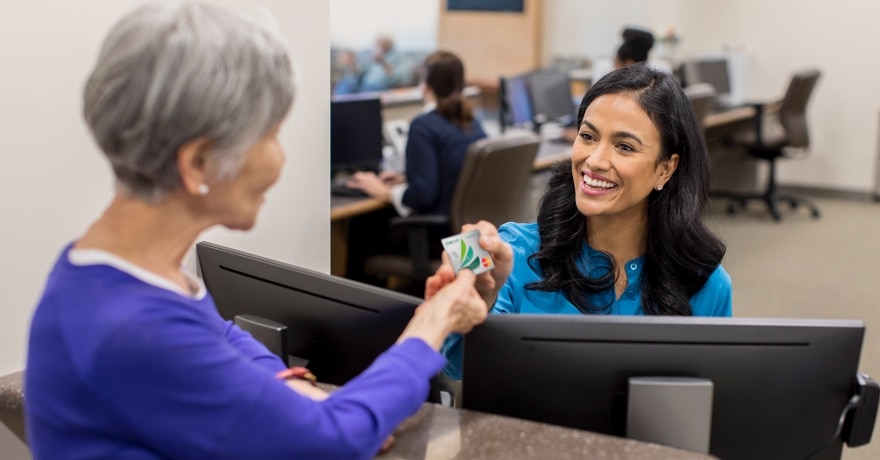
(620, 228)
(128, 356)
(437, 143)
(382, 70)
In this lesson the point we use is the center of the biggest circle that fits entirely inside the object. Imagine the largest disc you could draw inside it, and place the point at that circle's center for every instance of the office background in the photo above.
(54, 182)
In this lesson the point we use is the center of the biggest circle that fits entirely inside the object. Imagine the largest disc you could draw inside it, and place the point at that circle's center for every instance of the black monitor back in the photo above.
(355, 134)
(780, 385)
(336, 325)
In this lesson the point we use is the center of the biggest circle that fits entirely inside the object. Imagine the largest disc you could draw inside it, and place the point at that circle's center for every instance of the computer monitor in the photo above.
(337, 326)
(550, 94)
(780, 386)
(516, 103)
(714, 71)
(355, 134)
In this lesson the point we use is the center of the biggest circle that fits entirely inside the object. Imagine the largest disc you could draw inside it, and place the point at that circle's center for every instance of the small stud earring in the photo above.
(203, 189)
(659, 187)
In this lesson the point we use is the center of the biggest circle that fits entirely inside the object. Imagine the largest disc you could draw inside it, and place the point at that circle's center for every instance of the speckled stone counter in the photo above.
(12, 403)
(437, 432)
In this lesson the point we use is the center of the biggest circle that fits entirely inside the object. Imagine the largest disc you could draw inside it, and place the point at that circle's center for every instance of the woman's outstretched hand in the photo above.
(456, 307)
(487, 283)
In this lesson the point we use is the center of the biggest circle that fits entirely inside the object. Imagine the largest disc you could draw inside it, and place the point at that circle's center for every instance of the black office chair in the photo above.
(494, 185)
(771, 147)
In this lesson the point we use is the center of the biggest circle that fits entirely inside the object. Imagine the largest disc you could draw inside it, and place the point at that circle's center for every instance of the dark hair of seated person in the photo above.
(681, 252)
(444, 76)
(636, 45)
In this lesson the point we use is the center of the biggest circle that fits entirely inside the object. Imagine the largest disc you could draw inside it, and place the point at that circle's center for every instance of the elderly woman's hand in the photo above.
(456, 307)
(487, 283)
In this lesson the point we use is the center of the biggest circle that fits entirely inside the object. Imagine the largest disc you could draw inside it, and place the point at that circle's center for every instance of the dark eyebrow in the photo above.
(618, 134)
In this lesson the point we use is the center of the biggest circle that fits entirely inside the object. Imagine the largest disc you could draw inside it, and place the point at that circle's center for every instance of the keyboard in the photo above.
(340, 189)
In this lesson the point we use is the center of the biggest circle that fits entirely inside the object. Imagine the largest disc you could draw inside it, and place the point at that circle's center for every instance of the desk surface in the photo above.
(437, 432)
(344, 207)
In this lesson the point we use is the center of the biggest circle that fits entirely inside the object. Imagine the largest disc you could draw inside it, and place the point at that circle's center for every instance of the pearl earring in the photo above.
(659, 187)
(203, 189)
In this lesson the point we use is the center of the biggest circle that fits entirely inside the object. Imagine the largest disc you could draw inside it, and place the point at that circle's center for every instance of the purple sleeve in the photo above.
(355, 420)
(173, 384)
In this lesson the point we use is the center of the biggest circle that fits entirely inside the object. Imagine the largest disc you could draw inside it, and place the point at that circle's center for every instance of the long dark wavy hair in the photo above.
(444, 75)
(681, 251)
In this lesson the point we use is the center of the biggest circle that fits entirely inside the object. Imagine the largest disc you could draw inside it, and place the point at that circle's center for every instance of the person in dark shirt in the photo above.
(436, 146)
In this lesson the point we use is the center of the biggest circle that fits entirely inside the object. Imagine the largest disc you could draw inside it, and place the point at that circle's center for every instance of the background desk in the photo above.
(343, 208)
(437, 432)
(732, 169)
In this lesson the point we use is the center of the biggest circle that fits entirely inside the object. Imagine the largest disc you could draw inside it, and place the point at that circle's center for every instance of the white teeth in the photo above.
(597, 183)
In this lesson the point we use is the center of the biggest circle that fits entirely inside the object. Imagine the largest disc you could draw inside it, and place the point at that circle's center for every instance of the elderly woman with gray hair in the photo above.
(128, 357)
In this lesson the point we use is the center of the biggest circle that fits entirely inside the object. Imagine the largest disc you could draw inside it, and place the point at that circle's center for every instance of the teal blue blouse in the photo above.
(714, 299)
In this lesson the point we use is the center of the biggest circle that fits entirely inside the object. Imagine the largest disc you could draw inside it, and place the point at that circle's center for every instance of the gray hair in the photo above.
(168, 74)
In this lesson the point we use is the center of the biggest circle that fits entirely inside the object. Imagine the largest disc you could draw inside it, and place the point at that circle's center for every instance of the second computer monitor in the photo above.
(337, 327)
(780, 386)
(355, 134)
(516, 104)
(550, 93)
(714, 71)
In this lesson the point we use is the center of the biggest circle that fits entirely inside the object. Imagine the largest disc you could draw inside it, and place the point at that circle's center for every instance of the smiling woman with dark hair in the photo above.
(620, 228)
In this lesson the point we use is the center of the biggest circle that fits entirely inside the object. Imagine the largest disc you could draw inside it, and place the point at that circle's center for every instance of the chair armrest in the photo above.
(419, 220)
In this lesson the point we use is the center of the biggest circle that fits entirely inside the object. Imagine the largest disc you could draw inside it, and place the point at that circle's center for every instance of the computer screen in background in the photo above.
(714, 71)
(336, 326)
(356, 136)
(550, 94)
(516, 105)
(780, 386)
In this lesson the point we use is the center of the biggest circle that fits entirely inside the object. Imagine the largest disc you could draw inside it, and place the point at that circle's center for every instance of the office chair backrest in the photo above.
(495, 180)
(702, 97)
(793, 109)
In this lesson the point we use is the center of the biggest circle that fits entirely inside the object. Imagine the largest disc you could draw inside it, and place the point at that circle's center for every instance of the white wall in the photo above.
(837, 36)
(783, 36)
(589, 28)
(54, 181)
(411, 23)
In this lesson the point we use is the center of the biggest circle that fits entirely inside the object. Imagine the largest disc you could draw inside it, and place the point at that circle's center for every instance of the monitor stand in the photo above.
(673, 411)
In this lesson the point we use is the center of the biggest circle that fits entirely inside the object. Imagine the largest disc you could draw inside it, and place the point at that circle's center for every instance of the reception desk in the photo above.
(437, 432)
